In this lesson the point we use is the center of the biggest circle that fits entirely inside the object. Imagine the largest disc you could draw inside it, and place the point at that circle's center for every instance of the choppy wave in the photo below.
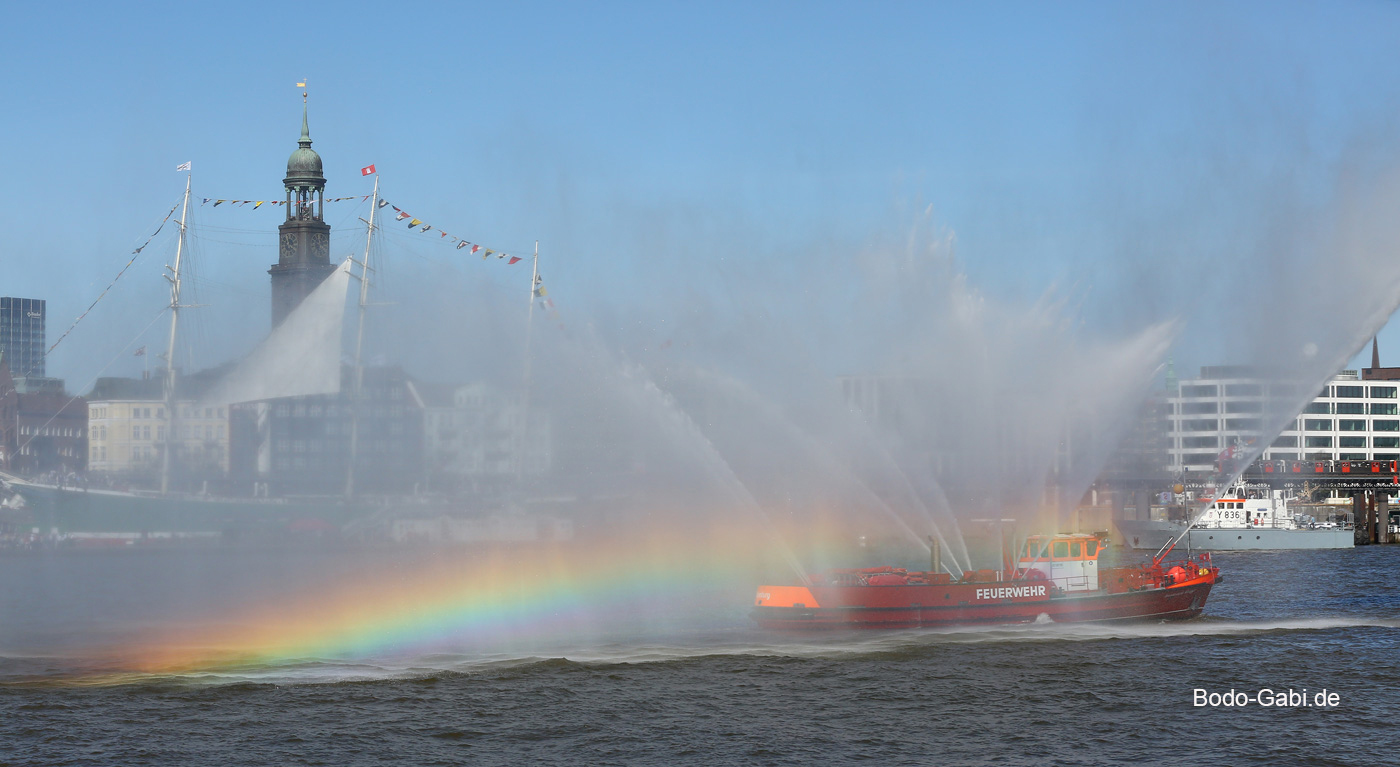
(80, 670)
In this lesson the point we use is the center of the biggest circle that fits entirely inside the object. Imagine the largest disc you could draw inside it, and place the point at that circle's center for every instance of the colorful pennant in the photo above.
(416, 223)
(256, 203)
(399, 215)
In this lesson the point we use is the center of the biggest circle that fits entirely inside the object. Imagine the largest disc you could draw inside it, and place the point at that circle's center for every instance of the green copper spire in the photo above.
(304, 166)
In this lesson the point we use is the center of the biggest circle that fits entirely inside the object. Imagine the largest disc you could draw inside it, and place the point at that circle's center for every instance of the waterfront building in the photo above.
(476, 438)
(22, 335)
(301, 445)
(42, 427)
(1354, 417)
(127, 422)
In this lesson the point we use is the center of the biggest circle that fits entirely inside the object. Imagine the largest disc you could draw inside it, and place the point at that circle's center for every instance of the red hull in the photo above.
(954, 605)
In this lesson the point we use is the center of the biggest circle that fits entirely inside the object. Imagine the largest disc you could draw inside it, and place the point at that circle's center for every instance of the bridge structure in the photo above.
(1373, 476)
(1370, 484)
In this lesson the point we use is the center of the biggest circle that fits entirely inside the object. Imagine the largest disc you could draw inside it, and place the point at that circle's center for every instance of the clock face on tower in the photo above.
(289, 245)
(320, 245)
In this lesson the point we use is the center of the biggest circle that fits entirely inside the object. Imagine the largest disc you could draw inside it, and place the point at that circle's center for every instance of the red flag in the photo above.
(401, 215)
(367, 170)
(475, 248)
(513, 259)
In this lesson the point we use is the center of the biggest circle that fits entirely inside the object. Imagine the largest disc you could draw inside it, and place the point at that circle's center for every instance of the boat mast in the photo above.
(174, 278)
(359, 346)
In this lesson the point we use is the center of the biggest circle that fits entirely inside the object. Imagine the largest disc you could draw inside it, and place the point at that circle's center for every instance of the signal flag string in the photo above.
(401, 215)
(540, 294)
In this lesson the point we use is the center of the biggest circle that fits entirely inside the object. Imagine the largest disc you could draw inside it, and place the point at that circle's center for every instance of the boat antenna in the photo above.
(174, 278)
(359, 345)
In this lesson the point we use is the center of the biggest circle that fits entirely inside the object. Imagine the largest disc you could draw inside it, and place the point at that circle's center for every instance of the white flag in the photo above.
(182, 166)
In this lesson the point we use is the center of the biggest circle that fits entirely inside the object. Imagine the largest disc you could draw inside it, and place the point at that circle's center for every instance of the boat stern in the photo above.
(792, 597)
(779, 607)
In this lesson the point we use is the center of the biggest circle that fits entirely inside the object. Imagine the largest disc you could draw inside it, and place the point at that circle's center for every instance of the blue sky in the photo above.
(642, 143)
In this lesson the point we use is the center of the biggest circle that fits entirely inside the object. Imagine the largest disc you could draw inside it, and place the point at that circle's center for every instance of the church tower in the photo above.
(304, 238)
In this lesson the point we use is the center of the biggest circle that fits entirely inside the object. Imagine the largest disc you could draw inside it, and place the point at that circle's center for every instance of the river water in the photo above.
(712, 691)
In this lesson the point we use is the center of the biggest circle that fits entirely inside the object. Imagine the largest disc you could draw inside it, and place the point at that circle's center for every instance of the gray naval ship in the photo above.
(1237, 523)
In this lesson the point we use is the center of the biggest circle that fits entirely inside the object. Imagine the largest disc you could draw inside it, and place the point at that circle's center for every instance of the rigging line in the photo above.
(225, 288)
(93, 382)
(412, 233)
(217, 228)
(270, 240)
(353, 213)
(134, 255)
(455, 264)
(193, 273)
(522, 249)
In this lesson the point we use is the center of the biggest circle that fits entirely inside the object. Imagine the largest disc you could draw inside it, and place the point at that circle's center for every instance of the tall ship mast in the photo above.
(357, 392)
(174, 277)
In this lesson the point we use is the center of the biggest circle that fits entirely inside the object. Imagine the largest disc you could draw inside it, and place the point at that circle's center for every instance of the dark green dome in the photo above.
(304, 160)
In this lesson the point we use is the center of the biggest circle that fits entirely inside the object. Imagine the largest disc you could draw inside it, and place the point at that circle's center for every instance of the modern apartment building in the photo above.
(1353, 417)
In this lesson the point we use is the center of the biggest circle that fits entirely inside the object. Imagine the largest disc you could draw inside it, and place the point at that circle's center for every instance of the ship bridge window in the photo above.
(1061, 550)
(1091, 549)
(1076, 550)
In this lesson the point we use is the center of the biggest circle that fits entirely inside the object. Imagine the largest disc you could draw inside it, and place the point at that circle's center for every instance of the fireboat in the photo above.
(1055, 576)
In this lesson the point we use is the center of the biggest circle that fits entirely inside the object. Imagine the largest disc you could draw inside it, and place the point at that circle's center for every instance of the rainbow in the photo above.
(475, 599)
(494, 602)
